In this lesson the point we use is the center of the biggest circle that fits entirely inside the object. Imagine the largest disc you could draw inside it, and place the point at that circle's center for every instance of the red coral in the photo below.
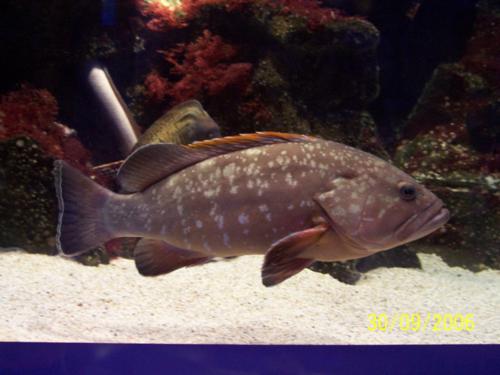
(75, 153)
(204, 69)
(257, 110)
(156, 86)
(162, 16)
(32, 112)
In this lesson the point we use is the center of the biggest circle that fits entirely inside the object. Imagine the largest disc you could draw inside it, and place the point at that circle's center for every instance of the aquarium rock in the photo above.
(452, 146)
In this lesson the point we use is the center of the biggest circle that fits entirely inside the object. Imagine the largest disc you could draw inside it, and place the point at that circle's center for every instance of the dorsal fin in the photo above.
(151, 163)
(219, 146)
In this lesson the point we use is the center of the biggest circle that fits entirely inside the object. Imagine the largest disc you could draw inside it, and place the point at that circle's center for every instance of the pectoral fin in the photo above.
(155, 257)
(284, 260)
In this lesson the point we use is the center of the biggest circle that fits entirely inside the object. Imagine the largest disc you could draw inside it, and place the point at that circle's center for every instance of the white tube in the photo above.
(116, 109)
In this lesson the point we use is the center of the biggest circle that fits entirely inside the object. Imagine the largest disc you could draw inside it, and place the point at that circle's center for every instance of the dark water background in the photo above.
(409, 51)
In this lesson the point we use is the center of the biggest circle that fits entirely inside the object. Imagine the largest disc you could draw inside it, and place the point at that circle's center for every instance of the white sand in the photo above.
(46, 298)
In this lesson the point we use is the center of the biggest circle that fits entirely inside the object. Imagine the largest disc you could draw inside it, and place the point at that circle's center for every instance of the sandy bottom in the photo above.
(46, 298)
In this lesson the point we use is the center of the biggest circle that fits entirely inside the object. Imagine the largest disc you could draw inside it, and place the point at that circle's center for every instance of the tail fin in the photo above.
(80, 225)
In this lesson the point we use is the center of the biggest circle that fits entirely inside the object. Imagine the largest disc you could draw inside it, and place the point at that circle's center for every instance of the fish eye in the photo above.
(407, 192)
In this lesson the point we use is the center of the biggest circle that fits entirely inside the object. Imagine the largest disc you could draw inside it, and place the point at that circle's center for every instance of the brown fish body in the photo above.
(185, 123)
(296, 200)
(233, 204)
(242, 202)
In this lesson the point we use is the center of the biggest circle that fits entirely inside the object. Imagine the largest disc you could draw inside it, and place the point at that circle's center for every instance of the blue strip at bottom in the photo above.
(97, 359)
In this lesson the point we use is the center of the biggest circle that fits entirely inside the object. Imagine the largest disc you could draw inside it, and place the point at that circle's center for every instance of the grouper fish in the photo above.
(294, 198)
(184, 123)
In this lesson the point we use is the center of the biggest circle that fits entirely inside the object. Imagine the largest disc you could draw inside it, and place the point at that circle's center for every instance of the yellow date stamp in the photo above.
(417, 322)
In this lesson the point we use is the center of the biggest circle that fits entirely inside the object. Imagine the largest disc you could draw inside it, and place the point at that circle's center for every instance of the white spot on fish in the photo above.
(289, 180)
(217, 173)
(290, 206)
(338, 211)
(226, 239)
(309, 147)
(354, 208)
(253, 151)
(180, 209)
(234, 189)
(251, 170)
(207, 163)
(286, 163)
(250, 184)
(243, 218)
(219, 219)
(268, 217)
(199, 224)
(263, 208)
(270, 164)
(228, 172)
(177, 192)
(210, 193)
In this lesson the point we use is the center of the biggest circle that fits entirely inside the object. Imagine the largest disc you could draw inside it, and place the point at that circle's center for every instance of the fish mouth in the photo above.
(423, 223)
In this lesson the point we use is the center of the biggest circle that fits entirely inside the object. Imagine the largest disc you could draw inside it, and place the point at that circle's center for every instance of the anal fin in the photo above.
(156, 257)
(284, 260)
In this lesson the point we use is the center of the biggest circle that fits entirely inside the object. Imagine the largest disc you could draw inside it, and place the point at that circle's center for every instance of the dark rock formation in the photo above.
(28, 207)
(453, 146)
